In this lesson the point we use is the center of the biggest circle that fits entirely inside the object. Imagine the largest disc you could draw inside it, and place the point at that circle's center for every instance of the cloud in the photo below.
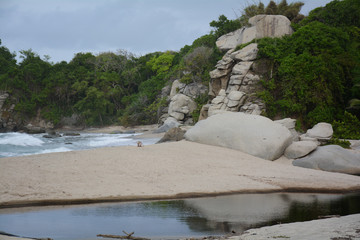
(61, 28)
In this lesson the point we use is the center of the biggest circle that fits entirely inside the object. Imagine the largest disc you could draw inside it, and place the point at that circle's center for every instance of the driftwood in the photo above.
(127, 236)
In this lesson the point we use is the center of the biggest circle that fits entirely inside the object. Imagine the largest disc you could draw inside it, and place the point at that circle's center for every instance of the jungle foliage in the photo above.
(315, 72)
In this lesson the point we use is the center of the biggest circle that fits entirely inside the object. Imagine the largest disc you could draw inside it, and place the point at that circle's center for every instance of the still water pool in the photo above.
(177, 218)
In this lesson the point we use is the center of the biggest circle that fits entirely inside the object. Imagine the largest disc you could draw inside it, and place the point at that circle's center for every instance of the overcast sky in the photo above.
(61, 28)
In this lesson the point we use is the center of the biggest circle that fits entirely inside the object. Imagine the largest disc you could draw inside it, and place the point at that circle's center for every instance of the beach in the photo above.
(161, 171)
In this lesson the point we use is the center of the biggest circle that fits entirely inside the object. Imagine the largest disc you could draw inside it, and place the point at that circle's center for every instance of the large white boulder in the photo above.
(252, 134)
(271, 25)
(331, 158)
(261, 26)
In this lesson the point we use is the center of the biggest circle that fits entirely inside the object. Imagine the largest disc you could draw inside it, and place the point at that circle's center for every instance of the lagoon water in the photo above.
(175, 219)
(19, 144)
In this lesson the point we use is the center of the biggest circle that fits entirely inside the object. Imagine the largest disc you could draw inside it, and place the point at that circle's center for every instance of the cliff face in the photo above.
(236, 80)
(12, 120)
(7, 120)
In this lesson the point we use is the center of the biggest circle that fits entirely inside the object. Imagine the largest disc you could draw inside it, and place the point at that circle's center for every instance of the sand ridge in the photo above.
(160, 171)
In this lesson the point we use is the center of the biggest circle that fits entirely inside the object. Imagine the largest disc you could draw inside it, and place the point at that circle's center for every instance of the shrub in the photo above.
(347, 128)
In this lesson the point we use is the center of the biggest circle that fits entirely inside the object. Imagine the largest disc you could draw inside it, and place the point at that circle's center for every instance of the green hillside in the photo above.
(315, 73)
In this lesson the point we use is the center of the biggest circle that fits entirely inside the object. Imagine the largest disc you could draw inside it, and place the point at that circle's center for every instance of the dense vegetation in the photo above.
(105, 88)
(315, 73)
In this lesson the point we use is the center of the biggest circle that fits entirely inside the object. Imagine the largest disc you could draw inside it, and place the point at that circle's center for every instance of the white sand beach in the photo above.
(160, 171)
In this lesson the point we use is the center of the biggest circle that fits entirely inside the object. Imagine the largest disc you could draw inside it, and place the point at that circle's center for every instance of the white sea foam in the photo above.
(19, 139)
(60, 149)
(108, 141)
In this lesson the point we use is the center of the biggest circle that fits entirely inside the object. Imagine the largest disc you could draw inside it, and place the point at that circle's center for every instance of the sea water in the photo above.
(19, 144)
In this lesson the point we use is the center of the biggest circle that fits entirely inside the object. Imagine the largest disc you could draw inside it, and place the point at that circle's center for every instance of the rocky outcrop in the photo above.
(235, 81)
(234, 84)
(332, 158)
(181, 104)
(252, 134)
(173, 135)
(9, 121)
(261, 26)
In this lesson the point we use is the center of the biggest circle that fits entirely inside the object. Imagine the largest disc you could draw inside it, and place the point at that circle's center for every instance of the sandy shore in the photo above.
(168, 170)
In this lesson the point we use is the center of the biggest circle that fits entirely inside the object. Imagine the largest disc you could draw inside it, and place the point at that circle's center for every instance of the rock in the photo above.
(242, 68)
(331, 158)
(255, 135)
(321, 131)
(178, 102)
(129, 132)
(176, 87)
(271, 26)
(225, 63)
(72, 134)
(218, 73)
(70, 121)
(235, 95)
(194, 90)
(174, 134)
(3, 97)
(204, 112)
(218, 100)
(165, 91)
(52, 136)
(33, 129)
(230, 40)
(287, 122)
(177, 115)
(261, 26)
(169, 123)
(300, 149)
(236, 79)
(248, 53)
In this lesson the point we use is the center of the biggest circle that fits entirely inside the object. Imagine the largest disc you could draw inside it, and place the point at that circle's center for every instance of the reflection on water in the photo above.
(178, 218)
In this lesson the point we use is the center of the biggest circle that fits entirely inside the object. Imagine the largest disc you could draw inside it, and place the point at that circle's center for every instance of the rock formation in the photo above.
(235, 81)
(181, 104)
(252, 134)
(8, 121)
(332, 158)
(260, 26)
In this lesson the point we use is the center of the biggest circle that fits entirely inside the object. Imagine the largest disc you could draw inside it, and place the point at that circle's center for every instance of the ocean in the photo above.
(19, 144)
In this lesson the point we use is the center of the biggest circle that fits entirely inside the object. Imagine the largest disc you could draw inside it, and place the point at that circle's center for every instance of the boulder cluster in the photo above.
(181, 104)
(267, 139)
(234, 83)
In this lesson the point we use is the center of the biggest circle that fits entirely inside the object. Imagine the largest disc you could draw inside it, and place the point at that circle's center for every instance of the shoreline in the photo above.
(154, 172)
(182, 196)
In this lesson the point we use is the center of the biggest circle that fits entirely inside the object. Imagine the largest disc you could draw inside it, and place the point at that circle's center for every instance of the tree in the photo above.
(224, 25)
(291, 11)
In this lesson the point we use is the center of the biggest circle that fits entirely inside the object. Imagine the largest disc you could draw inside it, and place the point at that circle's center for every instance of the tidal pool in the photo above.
(176, 218)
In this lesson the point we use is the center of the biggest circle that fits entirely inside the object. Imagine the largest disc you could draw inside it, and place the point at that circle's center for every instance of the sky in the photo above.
(62, 28)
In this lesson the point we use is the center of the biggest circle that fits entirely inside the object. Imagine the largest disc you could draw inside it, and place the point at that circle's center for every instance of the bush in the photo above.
(347, 128)
(340, 142)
